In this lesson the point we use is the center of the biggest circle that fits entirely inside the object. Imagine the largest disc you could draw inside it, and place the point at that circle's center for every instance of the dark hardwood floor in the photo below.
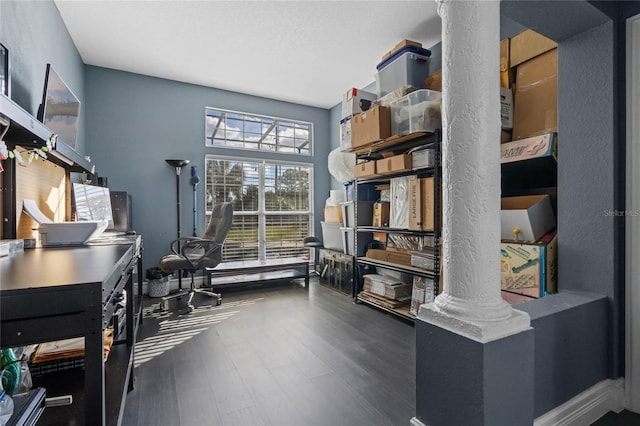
(277, 355)
(624, 418)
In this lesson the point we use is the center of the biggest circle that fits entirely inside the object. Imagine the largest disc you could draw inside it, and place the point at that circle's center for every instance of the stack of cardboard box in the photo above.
(535, 61)
(529, 67)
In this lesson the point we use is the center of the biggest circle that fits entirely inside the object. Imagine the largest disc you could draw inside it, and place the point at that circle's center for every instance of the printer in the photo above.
(54, 234)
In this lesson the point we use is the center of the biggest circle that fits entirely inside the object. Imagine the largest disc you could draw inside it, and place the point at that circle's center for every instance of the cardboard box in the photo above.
(381, 214)
(333, 214)
(505, 136)
(399, 258)
(507, 75)
(532, 215)
(364, 170)
(370, 126)
(400, 45)
(527, 45)
(530, 148)
(536, 96)
(377, 254)
(395, 164)
(421, 204)
(530, 269)
(506, 108)
(351, 102)
(434, 81)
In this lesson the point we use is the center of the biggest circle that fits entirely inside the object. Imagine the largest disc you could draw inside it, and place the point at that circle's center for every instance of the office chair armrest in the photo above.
(183, 240)
(198, 249)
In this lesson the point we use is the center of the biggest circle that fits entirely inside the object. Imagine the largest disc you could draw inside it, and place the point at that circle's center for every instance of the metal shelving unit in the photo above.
(396, 146)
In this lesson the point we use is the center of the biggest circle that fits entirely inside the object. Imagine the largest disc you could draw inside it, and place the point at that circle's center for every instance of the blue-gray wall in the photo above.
(135, 122)
(35, 35)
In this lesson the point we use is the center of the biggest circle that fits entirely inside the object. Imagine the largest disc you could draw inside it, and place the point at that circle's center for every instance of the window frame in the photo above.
(262, 213)
(208, 140)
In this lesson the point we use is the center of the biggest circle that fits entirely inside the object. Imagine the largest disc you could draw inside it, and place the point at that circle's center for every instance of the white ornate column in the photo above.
(471, 304)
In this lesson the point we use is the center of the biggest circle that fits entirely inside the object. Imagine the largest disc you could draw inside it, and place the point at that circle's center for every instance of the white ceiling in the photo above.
(307, 52)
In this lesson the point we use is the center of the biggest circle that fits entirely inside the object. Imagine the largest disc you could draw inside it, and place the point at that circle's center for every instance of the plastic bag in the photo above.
(341, 165)
(6, 406)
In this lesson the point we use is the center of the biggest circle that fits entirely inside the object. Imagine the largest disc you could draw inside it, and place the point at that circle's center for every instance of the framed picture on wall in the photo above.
(5, 77)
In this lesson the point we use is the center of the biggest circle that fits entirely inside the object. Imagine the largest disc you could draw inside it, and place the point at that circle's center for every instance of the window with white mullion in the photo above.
(262, 234)
(272, 205)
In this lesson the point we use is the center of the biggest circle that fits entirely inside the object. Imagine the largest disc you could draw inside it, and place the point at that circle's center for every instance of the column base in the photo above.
(480, 331)
(461, 381)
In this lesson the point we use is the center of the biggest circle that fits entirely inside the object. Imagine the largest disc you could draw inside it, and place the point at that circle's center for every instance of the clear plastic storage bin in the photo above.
(418, 111)
(364, 239)
(332, 236)
(407, 67)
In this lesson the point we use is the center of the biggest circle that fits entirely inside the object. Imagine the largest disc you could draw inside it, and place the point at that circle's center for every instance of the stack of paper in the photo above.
(388, 287)
(69, 348)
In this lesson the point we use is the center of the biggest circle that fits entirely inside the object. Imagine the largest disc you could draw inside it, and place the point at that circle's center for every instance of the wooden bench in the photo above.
(249, 272)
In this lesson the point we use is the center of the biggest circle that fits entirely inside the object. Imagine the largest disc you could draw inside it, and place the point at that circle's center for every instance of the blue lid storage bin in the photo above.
(409, 66)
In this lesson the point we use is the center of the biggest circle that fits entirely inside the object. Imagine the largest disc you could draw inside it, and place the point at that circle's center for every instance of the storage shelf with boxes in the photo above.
(406, 224)
(396, 141)
(528, 66)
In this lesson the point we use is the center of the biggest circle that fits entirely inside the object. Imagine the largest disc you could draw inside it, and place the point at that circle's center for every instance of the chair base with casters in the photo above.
(194, 254)
(164, 302)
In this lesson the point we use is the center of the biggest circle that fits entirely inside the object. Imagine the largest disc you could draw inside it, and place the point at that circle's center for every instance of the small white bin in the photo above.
(159, 287)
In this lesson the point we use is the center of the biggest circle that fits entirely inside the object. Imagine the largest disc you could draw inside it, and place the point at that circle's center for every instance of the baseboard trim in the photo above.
(415, 422)
(582, 409)
(587, 407)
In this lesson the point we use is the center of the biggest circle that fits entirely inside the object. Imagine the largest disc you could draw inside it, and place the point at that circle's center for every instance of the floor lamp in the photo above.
(178, 164)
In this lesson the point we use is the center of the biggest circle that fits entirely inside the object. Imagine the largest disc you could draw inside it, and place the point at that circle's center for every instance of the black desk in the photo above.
(58, 293)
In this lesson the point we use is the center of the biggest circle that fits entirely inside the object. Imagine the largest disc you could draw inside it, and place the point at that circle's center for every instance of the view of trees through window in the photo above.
(272, 207)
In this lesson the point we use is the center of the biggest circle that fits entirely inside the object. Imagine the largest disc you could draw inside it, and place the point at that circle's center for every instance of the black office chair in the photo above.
(199, 253)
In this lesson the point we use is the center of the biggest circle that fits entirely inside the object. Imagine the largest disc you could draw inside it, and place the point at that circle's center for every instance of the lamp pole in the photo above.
(178, 165)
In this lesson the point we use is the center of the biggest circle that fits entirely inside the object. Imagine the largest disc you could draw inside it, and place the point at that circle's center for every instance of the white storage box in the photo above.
(399, 202)
(407, 67)
(419, 111)
(351, 102)
(332, 236)
(365, 213)
(532, 215)
(364, 239)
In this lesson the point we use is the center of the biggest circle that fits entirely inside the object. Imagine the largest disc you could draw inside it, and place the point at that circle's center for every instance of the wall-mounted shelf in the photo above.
(26, 131)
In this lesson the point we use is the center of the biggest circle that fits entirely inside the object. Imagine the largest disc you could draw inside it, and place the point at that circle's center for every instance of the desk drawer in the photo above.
(48, 302)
